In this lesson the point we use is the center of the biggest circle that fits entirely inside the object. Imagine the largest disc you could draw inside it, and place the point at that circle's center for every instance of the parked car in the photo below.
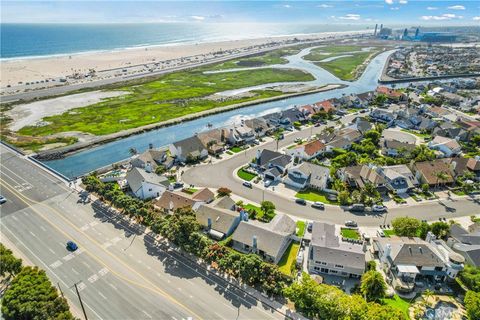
(379, 208)
(318, 205)
(72, 246)
(256, 142)
(381, 234)
(3, 199)
(357, 207)
(365, 237)
(301, 201)
(350, 223)
(247, 184)
(178, 185)
(309, 226)
(297, 140)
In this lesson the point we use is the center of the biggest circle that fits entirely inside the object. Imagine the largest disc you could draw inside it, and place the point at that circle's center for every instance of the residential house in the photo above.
(325, 106)
(473, 165)
(260, 126)
(449, 130)
(307, 175)
(362, 125)
(434, 172)
(220, 217)
(466, 242)
(398, 178)
(146, 185)
(272, 164)
(447, 146)
(149, 160)
(360, 175)
(213, 140)
(268, 240)
(343, 139)
(189, 149)
(278, 120)
(294, 115)
(438, 112)
(391, 94)
(410, 259)
(173, 200)
(328, 253)
(239, 134)
(394, 148)
(383, 115)
(307, 150)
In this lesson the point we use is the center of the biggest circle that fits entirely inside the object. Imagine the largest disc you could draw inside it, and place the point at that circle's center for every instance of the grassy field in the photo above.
(170, 96)
(301, 228)
(399, 303)
(314, 195)
(345, 68)
(389, 233)
(289, 258)
(242, 174)
(264, 59)
(350, 234)
(321, 53)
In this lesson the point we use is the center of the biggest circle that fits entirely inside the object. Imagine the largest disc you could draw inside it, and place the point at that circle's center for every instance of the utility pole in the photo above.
(61, 292)
(81, 303)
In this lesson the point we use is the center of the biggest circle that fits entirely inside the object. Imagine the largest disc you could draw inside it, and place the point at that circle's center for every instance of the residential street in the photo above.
(221, 174)
(120, 272)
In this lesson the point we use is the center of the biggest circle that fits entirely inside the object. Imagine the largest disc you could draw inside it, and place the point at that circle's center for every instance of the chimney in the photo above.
(209, 223)
(148, 167)
(254, 243)
(430, 237)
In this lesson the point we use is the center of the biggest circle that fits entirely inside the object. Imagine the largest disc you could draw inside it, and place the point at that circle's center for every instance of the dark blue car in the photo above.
(72, 246)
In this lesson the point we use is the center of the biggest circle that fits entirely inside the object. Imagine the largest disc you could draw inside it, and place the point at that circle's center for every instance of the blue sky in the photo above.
(393, 12)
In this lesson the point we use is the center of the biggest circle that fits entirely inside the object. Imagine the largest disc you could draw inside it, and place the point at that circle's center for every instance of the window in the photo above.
(150, 189)
(339, 266)
(333, 271)
(323, 263)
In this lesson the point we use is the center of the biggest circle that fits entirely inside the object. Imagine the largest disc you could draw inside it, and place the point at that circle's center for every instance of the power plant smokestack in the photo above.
(375, 32)
(381, 27)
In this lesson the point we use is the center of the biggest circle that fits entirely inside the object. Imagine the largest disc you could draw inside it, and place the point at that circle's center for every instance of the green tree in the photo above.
(32, 296)
(373, 135)
(371, 265)
(8, 262)
(472, 305)
(267, 207)
(470, 276)
(440, 229)
(160, 169)
(423, 229)
(222, 192)
(405, 226)
(373, 286)
(344, 198)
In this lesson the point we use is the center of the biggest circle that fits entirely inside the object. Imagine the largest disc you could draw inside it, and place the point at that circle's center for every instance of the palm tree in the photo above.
(442, 176)
(373, 286)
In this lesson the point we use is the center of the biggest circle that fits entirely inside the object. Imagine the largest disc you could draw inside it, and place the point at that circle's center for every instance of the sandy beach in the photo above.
(22, 71)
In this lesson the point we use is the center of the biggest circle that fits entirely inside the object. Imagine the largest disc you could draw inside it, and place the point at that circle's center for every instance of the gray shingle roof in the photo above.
(221, 219)
(192, 145)
(136, 176)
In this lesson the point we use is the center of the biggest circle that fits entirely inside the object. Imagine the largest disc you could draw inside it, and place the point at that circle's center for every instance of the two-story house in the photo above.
(307, 175)
(146, 185)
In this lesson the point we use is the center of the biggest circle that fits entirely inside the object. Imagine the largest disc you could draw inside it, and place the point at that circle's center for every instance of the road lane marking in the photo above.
(68, 257)
(102, 295)
(93, 278)
(51, 251)
(149, 316)
(75, 271)
(14, 218)
(81, 286)
(56, 264)
(33, 234)
(113, 287)
(103, 271)
(43, 228)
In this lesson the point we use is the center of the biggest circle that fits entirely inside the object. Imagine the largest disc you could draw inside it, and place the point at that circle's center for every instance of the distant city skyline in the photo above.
(398, 12)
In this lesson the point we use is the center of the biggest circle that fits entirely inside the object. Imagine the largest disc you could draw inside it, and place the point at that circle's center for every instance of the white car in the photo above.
(381, 234)
(379, 208)
(318, 205)
(3, 199)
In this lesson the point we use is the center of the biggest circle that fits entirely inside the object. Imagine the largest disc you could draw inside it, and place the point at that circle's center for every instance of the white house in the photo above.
(307, 150)
(146, 185)
(307, 175)
(190, 148)
(449, 147)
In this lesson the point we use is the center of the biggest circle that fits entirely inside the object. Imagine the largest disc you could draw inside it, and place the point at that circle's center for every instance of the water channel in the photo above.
(90, 159)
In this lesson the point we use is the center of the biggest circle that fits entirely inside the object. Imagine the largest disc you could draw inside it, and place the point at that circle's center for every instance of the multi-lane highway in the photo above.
(221, 174)
(121, 272)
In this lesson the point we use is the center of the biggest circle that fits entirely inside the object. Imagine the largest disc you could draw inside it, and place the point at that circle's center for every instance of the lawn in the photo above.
(168, 97)
(399, 303)
(314, 195)
(300, 228)
(242, 174)
(350, 234)
(289, 258)
(389, 233)
(236, 149)
(189, 190)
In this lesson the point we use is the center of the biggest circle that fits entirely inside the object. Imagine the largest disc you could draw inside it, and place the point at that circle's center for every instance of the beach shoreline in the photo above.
(77, 68)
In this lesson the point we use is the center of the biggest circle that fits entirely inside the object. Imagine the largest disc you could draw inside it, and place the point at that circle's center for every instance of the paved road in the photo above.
(121, 273)
(220, 174)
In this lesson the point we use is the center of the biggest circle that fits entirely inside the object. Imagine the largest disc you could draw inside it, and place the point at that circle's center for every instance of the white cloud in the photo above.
(445, 16)
(198, 18)
(394, 8)
(287, 6)
(350, 16)
(432, 8)
(389, 1)
(456, 7)
(403, 1)
(325, 6)
(476, 18)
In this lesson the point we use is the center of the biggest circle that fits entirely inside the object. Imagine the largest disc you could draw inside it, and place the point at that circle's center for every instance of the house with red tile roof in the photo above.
(307, 150)
(391, 94)
(325, 105)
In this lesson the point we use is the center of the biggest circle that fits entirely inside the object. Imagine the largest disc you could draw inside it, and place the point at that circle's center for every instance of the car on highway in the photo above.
(247, 184)
(357, 207)
(318, 205)
(351, 223)
(301, 201)
(379, 208)
(3, 199)
(72, 246)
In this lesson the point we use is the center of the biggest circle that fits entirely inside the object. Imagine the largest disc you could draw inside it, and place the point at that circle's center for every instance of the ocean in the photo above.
(37, 40)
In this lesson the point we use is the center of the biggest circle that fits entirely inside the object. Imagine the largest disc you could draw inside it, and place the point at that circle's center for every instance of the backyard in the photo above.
(399, 303)
(300, 228)
(350, 234)
(289, 258)
(315, 195)
(259, 214)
